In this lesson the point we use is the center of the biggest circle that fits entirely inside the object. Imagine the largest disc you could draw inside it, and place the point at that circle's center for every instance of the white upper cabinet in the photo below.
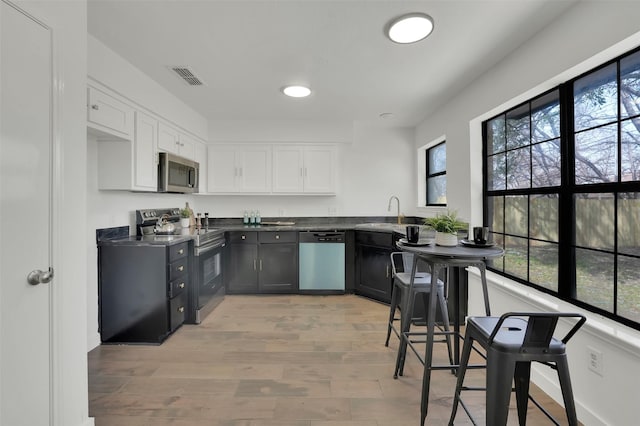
(239, 169)
(130, 165)
(304, 169)
(146, 153)
(108, 116)
(173, 141)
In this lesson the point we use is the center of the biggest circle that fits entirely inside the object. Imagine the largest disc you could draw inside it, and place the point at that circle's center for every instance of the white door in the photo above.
(25, 212)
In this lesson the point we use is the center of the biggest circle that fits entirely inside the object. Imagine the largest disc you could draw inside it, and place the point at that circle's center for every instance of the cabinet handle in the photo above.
(387, 270)
(95, 107)
(240, 169)
(301, 172)
(181, 268)
(181, 285)
(261, 264)
(243, 237)
(305, 172)
(254, 264)
(277, 237)
(181, 309)
(181, 251)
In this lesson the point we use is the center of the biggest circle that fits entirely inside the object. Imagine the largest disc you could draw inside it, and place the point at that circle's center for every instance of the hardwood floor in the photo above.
(287, 360)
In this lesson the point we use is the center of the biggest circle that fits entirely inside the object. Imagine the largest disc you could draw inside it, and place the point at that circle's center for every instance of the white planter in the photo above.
(184, 222)
(446, 239)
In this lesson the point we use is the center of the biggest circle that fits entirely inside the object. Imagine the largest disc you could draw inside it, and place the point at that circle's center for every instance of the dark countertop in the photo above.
(152, 240)
(119, 235)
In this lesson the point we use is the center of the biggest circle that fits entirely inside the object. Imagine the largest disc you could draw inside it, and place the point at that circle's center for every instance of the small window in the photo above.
(436, 172)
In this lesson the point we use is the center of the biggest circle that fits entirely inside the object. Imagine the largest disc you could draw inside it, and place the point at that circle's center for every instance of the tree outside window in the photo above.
(436, 175)
(562, 190)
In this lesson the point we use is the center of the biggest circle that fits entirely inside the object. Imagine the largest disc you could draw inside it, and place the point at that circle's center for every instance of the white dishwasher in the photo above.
(322, 261)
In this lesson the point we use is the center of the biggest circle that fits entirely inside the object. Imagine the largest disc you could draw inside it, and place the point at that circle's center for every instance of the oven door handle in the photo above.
(202, 250)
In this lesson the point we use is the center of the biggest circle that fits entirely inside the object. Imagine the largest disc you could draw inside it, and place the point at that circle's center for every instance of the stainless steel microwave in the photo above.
(177, 174)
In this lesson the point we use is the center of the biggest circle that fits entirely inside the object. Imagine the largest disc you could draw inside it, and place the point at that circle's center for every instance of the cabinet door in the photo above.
(374, 273)
(319, 169)
(109, 115)
(145, 156)
(223, 172)
(168, 139)
(186, 146)
(243, 269)
(278, 266)
(288, 169)
(255, 169)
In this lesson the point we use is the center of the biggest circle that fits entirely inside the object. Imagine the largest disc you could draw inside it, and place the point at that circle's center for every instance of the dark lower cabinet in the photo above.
(242, 267)
(373, 264)
(141, 291)
(262, 262)
(278, 266)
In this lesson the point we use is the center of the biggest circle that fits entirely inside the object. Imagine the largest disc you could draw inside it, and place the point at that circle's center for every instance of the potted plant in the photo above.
(446, 226)
(185, 217)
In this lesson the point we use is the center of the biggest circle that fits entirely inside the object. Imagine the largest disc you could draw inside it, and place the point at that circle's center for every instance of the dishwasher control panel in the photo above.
(321, 237)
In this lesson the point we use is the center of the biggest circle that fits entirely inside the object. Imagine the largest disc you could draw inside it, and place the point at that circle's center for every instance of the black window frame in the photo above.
(566, 192)
(429, 175)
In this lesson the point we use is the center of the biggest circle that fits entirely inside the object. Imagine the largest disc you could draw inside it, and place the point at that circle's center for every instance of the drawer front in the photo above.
(382, 239)
(249, 237)
(178, 286)
(177, 251)
(178, 268)
(177, 310)
(278, 237)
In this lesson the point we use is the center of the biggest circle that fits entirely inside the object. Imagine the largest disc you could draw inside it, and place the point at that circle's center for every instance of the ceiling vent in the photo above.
(187, 75)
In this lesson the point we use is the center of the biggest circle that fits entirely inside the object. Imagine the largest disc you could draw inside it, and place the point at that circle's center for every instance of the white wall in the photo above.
(378, 164)
(110, 69)
(374, 164)
(566, 48)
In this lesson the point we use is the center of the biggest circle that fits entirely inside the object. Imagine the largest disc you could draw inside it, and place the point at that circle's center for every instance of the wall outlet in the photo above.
(280, 212)
(595, 360)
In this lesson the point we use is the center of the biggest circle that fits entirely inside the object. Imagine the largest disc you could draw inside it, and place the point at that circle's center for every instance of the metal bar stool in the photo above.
(403, 297)
(512, 342)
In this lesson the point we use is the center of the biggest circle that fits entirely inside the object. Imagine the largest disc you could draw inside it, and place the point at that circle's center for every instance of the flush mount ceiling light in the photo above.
(296, 91)
(410, 28)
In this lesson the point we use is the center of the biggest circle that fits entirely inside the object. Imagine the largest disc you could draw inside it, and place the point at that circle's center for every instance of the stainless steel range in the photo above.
(206, 290)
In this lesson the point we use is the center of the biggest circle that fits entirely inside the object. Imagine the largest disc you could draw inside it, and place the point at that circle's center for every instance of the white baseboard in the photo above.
(551, 388)
(93, 341)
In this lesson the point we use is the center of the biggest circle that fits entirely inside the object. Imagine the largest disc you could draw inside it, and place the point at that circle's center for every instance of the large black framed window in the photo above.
(436, 172)
(562, 190)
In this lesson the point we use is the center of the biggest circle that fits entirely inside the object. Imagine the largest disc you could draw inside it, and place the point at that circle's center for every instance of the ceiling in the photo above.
(246, 51)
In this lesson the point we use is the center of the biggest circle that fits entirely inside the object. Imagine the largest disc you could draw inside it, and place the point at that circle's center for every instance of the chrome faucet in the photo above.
(389, 208)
